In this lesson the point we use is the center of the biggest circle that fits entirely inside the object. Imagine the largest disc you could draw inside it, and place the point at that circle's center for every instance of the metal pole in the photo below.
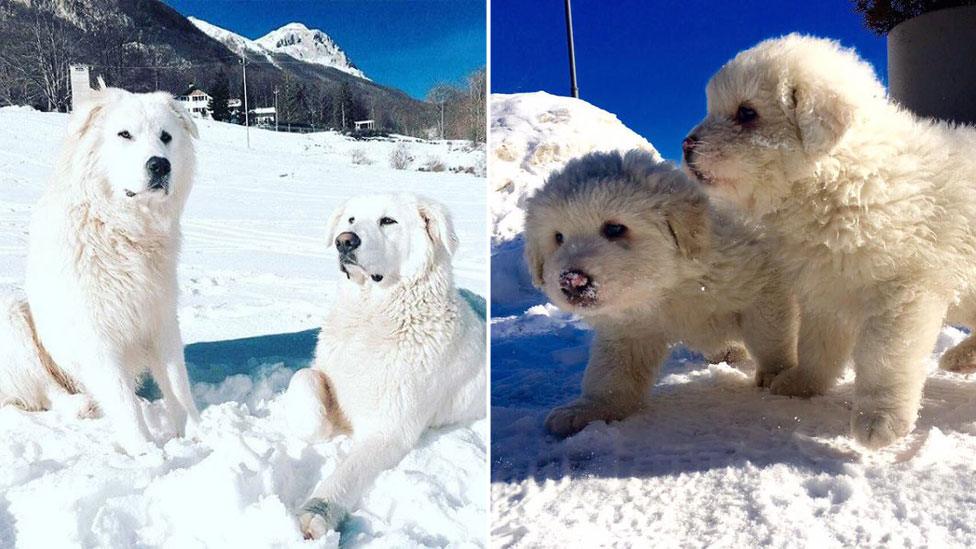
(573, 89)
(276, 109)
(247, 120)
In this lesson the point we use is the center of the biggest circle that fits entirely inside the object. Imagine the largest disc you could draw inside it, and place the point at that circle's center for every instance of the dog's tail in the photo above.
(310, 408)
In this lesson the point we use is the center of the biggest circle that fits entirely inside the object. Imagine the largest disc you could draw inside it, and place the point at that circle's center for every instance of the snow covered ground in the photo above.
(711, 460)
(256, 277)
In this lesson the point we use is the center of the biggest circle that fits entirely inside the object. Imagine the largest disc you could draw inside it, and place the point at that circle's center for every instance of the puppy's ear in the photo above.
(535, 261)
(689, 223)
(821, 115)
(439, 225)
(333, 224)
(184, 117)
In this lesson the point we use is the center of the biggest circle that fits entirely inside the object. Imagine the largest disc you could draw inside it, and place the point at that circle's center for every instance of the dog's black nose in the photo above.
(158, 166)
(573, 281)
(688, 147)
(347, 242)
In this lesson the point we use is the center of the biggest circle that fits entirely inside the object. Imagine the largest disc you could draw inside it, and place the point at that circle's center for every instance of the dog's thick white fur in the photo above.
(635, 248)
(399, 352)
(876, 209)
(101, 272)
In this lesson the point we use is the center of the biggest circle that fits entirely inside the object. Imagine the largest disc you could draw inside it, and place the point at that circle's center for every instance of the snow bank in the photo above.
(256, 275)
(711, 460)
(532, 134)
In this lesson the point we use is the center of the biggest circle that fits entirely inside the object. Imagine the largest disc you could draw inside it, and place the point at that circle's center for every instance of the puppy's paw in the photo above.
(572, 418)
(319, 518)
(765, 376)
(795, 382)
(875, 428)
(733, 354)
(960, 359)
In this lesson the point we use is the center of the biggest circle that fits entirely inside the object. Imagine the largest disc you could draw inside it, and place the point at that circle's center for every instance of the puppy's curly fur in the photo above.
(678, 271)
(875, 209)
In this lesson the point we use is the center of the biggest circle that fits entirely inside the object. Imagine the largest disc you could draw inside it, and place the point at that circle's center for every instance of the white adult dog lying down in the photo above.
(876, 209)
(399, 352)
(101, 270)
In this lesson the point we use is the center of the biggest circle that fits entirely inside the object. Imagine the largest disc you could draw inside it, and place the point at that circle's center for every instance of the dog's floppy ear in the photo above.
(184, 117)
(440, 227)
(84, 114)
(689, 224)
(333, 224)
(821, 115)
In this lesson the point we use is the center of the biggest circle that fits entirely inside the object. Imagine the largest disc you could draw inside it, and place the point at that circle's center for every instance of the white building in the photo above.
(196, 101)
(364, 124)
(263, 116)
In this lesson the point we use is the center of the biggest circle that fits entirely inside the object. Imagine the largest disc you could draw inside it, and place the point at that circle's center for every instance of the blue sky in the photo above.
(648, 61)
(407, 44)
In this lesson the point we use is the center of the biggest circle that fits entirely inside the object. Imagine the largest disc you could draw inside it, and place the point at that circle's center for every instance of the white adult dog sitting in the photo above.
(876, 209)
(399, 352)
(101, 270)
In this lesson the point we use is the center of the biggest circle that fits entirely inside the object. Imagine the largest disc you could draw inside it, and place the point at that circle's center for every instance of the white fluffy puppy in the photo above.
(634, 247)
(876, 209)
(399, 352)
(101, 271)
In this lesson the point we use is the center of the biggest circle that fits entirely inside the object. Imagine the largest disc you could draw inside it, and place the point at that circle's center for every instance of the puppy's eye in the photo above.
(352, 220)
(745, 115)
(613, 231)
(387, 221)
(165, 137)
(559, 238)
(124, 134)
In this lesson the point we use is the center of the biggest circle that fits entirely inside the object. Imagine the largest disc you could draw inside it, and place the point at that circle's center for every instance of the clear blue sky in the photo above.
(408, 44)
(648, 61)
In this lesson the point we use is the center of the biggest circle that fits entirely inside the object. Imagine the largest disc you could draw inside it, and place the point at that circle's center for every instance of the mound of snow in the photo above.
(533, 134)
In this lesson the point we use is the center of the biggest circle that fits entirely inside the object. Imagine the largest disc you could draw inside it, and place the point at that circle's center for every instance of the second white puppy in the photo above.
(634, 247)
(399, 352)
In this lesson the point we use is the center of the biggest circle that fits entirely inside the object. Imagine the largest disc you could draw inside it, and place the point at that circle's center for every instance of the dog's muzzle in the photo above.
(577, 287)
(159, 169)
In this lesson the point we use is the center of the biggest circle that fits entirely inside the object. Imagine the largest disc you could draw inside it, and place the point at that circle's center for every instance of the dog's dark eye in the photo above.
(124, 134)
(165, 137)
(745, 115)
(613, 231)
(387, 221)
(352, 219)
(559, 238)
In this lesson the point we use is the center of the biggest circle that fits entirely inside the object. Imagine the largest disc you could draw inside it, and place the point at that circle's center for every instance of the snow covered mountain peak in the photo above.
(309, 45)
(294, 40)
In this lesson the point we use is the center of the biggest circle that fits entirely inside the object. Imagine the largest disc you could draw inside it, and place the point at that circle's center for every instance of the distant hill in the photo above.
(144, 45)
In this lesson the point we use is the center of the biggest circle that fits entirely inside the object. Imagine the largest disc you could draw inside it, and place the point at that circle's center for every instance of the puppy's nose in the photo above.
(158, 166)
(347, 242)
(573, 281)
(688, 146)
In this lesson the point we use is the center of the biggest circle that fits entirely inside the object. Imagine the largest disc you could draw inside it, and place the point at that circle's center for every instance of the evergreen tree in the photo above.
(219, 95)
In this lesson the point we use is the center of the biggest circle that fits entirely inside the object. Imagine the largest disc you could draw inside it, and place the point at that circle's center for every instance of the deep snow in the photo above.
(711, 460)
(256, 276)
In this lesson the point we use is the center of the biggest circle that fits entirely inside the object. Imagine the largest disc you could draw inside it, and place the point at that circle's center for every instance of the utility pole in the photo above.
(573, 89)
(442, 120)
(276, 107)
(247, 120)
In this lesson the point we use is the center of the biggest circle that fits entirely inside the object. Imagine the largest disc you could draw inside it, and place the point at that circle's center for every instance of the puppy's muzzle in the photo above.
(346, 242)
(159, 169)
(578, 288)
(688, 148)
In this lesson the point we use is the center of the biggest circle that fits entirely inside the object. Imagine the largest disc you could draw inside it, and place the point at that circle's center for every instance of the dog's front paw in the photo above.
(875, 428)
(765, 376)
(572, 418)
(960, 359)
(319, 518)
(795, 382)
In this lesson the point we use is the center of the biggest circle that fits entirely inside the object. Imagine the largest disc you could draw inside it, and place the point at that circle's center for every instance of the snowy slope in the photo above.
(532, 134)
(294, 39)
(232, 40)
(309, 45)
(711, 461)
(256, 264)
